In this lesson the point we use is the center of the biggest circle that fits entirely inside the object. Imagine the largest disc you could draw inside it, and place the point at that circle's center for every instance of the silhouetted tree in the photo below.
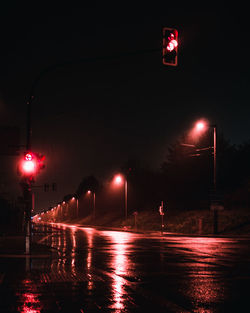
(68, 197)
(142, 185)
(88, 183)
(188, 171)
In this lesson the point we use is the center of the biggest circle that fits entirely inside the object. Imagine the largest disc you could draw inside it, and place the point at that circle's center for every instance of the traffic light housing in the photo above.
(170, 46)
(28, 164)
(31, 164)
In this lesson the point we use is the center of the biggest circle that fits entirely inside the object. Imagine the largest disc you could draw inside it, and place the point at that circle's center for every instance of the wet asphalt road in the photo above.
(109, 271)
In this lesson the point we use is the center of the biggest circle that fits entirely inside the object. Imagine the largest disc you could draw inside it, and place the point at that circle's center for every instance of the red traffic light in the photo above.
(31, 164)
(28, 157)
(170, 46)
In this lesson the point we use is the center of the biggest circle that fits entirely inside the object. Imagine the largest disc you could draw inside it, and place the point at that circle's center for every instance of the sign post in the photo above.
(162, 216)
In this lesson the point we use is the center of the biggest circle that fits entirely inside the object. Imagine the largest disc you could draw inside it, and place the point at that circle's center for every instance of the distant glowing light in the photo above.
(200, 126)
(172, 44)
(118, 179)
(29, 166)
(89, 192)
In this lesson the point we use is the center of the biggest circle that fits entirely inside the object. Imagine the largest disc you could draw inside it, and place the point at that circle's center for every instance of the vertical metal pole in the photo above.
(215, 152)
(214, 178)
(67, 211)
(77, 208)
(162, 218)
(162, 225)
(33, 202)
(28, 122)
(94, 205)
(28, 194)
(126, 198)
(28, 221)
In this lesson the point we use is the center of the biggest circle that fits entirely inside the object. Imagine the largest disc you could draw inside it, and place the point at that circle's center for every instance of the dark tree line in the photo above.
(184, 181)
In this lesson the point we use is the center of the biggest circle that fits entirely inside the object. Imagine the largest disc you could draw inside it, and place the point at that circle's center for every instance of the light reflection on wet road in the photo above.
(108, 271)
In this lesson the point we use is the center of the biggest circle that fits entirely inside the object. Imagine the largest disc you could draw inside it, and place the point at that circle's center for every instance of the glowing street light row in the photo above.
(119, 179)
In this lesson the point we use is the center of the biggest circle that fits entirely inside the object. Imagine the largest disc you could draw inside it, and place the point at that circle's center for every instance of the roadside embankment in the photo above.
(200, 222)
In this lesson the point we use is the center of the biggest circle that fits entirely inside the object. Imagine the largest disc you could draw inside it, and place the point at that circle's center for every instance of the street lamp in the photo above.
(201, 126)
(75, 199)
(89, 192)
(119, 179)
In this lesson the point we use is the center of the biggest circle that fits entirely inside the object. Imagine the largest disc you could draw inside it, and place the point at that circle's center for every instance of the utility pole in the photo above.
(214, 179)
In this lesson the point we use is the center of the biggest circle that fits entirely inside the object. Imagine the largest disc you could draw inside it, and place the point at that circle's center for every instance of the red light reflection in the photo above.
(89, 232)
(120, 265)
(118, 179)
(29, 299)
(204, 287)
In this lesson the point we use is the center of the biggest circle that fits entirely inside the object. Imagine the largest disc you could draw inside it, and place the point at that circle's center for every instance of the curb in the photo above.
(156, 233)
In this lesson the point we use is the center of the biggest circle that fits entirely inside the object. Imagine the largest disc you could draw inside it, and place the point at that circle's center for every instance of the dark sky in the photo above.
(89, 118)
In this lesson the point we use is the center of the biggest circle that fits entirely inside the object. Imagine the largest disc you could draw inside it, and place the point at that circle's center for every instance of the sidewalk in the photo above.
(14, 246)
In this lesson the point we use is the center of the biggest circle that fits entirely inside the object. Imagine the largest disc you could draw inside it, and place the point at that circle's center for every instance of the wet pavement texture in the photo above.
(94, 270)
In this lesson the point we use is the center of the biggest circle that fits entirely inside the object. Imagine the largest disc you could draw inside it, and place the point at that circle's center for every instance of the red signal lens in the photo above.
(28, 157)
(29, 164)
(170, 46)
(29, 167)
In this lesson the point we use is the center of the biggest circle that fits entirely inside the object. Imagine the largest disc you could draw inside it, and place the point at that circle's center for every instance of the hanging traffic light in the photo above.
(170, 46)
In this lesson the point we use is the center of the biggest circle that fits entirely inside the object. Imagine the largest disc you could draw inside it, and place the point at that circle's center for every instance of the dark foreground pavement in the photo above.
(74, 269)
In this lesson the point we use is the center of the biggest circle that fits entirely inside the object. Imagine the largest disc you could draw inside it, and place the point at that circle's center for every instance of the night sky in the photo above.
(90, 117)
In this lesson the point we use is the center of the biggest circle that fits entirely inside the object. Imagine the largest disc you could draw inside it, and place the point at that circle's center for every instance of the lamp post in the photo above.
(200, 127)
(118, 180)
(215, 210)
(92, 192)
(215, 148)
(76, 210)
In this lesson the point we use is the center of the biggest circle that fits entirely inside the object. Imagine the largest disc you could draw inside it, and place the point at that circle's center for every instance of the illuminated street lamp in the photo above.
(92, 192)
(119, 179)
(76, 200)
(202, 126)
